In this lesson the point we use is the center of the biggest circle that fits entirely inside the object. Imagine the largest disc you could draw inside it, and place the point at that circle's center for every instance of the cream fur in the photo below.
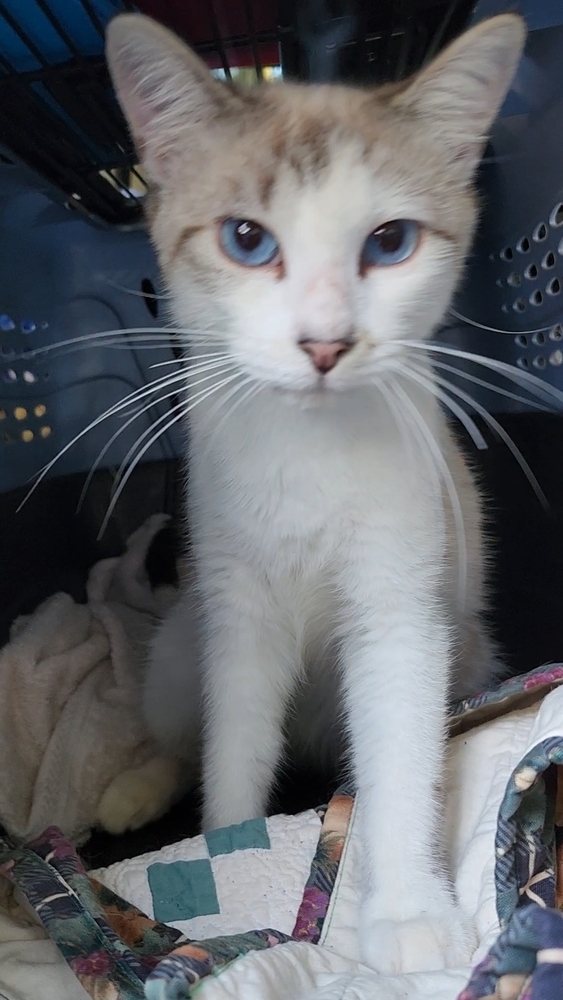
(326, 522)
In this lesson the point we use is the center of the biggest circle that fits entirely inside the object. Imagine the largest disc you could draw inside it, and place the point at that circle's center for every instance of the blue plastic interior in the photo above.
(514, 280)
(79, 28)
(62, 278)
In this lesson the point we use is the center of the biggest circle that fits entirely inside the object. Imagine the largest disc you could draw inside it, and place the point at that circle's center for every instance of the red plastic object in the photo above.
(194, 22)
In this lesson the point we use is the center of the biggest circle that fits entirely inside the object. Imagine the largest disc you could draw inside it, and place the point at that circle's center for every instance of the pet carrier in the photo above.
(512, 296)
(68, 191)
(77, 263)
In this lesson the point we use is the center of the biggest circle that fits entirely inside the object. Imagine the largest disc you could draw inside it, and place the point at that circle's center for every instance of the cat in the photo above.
(311, 238)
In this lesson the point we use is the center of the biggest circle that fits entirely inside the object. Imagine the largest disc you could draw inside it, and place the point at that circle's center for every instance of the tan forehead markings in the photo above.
(443, 234)
(303, 145)
(184, 237)
(265, 188)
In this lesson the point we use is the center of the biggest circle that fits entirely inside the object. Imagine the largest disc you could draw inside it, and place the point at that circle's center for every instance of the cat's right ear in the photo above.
(164, 89)
(456, 98)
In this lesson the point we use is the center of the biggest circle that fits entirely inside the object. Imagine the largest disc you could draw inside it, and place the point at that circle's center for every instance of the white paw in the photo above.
(437, 937)
(139, 796)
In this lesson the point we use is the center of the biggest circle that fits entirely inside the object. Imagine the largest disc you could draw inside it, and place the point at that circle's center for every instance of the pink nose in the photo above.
(325, 355)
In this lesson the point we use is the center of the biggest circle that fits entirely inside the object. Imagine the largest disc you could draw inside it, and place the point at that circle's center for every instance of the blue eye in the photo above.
(390, 243)
(248, 242)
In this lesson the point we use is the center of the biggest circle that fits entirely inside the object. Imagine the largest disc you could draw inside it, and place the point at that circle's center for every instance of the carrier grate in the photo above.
(58, 113)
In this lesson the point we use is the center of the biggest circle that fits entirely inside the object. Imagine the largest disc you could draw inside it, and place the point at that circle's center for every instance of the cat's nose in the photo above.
(325, 354)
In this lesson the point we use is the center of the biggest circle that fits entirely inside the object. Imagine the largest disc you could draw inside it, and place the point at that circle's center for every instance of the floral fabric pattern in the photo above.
(119, 953)
(324, 869)
(525, 846)
(514, 693)
(525, 963)
(187, 965)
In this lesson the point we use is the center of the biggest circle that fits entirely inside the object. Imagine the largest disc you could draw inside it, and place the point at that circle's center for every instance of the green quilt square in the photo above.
(251, 834)
(182, 890)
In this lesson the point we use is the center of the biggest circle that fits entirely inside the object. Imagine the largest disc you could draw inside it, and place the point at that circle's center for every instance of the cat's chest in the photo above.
(298, 476)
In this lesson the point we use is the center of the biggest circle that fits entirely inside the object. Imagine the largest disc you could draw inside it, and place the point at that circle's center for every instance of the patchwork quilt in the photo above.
(227, 881)
(268, 910)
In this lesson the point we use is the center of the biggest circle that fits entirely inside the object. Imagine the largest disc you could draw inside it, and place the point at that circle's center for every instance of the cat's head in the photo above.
(307, 229)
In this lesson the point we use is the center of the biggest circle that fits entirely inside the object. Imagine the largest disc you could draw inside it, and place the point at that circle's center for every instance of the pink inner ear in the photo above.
(144, 108)
(130, 86)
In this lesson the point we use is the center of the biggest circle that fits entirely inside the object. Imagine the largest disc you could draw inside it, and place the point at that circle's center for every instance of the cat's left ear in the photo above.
(164, 89)
(458, 96)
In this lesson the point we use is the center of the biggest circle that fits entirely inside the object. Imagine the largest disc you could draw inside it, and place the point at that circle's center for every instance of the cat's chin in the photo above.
(319, 389)
(312, 396)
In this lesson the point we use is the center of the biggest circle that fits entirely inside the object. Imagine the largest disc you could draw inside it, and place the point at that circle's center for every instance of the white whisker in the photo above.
(494, 329)
(127, 336)
(143, 333)
(489, 385)
(413, 431)
(502, 433)
(155, 386)
(399, 418)
(442, 466)
(183, 408)
(190, 358)
(221, 402)
(114, 409)
(101, 454)
(530, 382)
(121, 430)
(418, 375)
(225, 368)
(172, 361)
(134, 291)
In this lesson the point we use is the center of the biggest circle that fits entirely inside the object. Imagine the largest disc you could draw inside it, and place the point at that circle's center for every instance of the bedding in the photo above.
(269, 909)
(70, 702)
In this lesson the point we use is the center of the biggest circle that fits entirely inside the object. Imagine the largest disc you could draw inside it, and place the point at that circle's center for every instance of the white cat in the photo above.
(311, 239)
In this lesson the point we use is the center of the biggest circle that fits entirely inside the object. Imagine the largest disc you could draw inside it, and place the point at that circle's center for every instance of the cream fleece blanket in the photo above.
(70, 714)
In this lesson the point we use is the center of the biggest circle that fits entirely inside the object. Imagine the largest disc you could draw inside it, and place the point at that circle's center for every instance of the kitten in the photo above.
(311, 237)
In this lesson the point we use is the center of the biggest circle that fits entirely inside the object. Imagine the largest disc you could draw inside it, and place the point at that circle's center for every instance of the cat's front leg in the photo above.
(250, 667)
(396, 671)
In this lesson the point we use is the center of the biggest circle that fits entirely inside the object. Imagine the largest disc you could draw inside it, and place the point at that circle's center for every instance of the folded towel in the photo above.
(70, 706)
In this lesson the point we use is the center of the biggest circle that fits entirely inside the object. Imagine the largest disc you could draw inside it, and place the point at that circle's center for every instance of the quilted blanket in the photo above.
(268, 910)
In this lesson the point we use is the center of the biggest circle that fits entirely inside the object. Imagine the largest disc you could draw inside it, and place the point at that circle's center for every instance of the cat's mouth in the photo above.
(317, 389)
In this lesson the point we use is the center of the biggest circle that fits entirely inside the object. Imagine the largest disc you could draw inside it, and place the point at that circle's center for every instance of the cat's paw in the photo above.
(139, 796)
(437, 937)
